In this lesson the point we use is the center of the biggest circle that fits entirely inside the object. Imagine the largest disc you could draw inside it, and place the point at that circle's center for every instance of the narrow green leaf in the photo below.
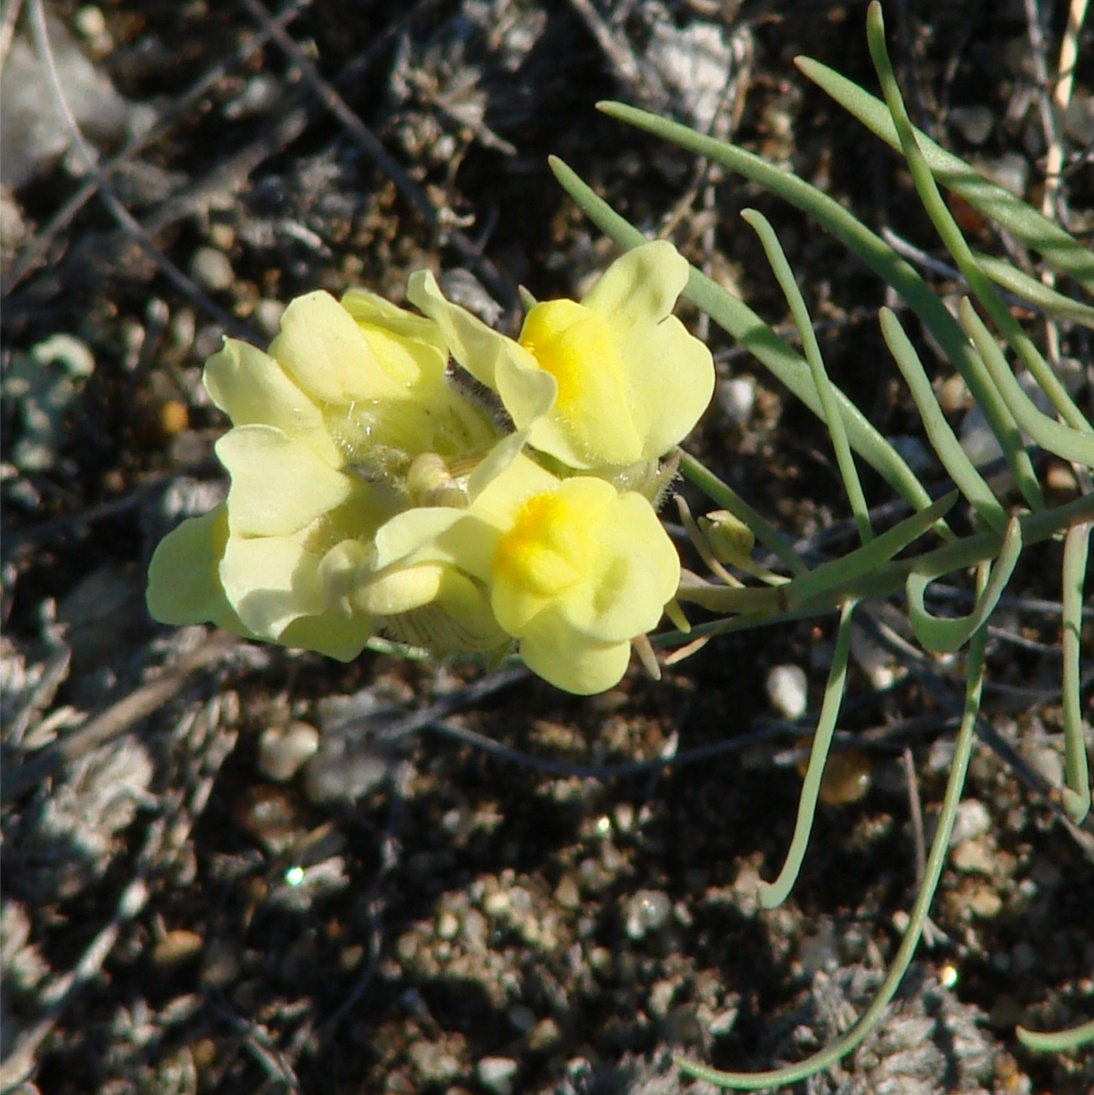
(1041, 296)
(944, 441)
(1057, 1041)
(1055, 437)
(735, 317)
(773, 894)
(723, 495)
(1059, 249)
(845, 461)
(1078, 793)
(818, 584)
(944, 636)
(756, 1081)
(900, 275)
(950, 233)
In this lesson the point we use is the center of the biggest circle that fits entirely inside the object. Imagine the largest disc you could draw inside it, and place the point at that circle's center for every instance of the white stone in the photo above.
(284, 750)
(788, 690)
(496, 1074)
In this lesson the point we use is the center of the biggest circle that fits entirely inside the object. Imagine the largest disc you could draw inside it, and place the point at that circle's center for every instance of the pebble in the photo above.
(522, 1018)
(175, 948)
(284, 750)
(787, 688)
(985, 903)
(211, 269)
(257, 97)
(974, 857)
(474, 929)
(972, 821)
(646, 911)
(567, 894)
(980, 444)
(432, 1063)
(737, 398)
(334, 774)
(448, 925)
(545, 1036)
(974, 123)
(1010, 171)
(1079, 119)
(220, 966)
(953, 394)
(1049, 763)
(496, 1074)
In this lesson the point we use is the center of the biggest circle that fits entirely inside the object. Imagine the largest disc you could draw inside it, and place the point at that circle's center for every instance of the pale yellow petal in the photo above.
(252, 388)
(326, 353)
(590, 423)
(553, 651)
(671, 384)
(279, 485)
(471, 342)
(183, 583)
(271, 581)
(331, 634)
(640, 287)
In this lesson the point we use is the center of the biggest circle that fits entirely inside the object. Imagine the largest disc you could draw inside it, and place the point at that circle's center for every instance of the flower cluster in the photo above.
(371, 490)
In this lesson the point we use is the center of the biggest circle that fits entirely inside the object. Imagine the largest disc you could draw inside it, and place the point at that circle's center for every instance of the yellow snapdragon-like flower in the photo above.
(629, 381)
(347, 393)
(574, 570)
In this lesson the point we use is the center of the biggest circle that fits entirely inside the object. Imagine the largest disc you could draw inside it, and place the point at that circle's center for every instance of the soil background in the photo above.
(230, 868)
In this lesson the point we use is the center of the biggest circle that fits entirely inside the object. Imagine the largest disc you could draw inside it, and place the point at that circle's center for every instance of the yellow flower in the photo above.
(362, 382)
(574, 570)
(629, 381)
(257, 564)
(343, 387)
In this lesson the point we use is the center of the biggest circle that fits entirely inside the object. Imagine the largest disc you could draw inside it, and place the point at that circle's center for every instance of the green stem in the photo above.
(725, 496)
(1056, 1041)
(754, 1081)
(939, 432)
(831, 584)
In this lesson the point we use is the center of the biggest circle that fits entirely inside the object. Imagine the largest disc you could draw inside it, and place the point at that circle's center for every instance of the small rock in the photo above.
(1050, 764)
(211, 269)
(974, 857)
(432, 1063)
(175, 948)
(448, 925)
(972, 821)
(220, 966)
(737, 398)
(496, 1074)
(646, 911)
(284, 750)
(567, 893)
(259, 94)
(985, 903)
(787, 688)
(522, 1018)
(953, 394)
(1010, 171)
(545, 1036)
(974, 123)
(1079, 119)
